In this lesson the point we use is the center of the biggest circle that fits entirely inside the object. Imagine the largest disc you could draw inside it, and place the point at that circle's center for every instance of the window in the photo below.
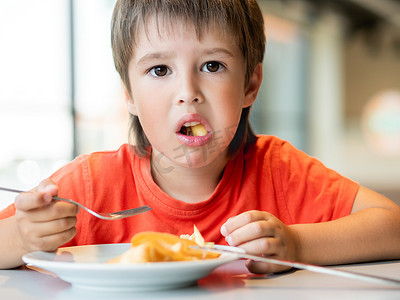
(37, 125)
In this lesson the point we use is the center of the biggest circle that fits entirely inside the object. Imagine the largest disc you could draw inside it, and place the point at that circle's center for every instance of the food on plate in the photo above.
(197, 238)
(160, 246)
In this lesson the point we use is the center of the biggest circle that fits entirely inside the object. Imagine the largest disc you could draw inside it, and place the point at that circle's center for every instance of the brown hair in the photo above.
(242, 19)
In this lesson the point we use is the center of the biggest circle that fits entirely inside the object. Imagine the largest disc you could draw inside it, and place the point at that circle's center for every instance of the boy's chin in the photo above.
(193, 158)
(200, 160)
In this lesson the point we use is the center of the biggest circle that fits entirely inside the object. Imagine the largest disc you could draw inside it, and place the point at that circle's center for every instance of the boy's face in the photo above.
(179, 81)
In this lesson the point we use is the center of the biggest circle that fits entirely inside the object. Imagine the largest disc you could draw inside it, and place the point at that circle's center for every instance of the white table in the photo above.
(231, 281)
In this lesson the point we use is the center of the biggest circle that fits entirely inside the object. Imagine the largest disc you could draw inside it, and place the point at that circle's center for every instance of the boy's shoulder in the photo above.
(265, 149)
(265, 143)
(124, 152)
(267, 140)
(101, 160)
(274, 151)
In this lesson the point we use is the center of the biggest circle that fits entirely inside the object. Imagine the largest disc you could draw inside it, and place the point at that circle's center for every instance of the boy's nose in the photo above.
(196, 100)
(189, 90)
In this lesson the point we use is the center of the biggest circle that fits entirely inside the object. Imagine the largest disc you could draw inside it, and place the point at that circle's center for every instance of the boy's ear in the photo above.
(129, 102)
(253, 86)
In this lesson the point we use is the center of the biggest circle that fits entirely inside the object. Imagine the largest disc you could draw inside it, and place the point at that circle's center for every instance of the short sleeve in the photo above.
(7, 212)
(72, 180)
(313, 192)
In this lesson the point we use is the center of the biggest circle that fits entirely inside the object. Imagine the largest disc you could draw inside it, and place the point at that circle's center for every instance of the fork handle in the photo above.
(54, 197)
(19, 191)
(11, 190)
(76, 203)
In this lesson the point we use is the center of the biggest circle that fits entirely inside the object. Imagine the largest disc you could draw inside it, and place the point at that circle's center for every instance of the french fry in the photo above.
(197, 238)
(159, 246)
(199, 130)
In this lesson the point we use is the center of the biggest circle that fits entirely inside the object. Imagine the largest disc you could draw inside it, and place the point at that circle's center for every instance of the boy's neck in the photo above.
(189, 185)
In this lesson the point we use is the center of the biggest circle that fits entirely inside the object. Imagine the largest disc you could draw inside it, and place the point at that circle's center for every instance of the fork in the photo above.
(105, 216)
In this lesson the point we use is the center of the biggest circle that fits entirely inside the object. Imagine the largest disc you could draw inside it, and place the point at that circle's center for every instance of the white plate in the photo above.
(85, 267)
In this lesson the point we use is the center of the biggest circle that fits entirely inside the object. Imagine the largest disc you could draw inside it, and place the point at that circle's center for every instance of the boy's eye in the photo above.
(159, 71)
(212, 66)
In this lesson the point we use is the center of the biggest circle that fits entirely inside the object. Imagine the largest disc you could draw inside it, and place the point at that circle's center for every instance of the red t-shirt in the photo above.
(271, 176)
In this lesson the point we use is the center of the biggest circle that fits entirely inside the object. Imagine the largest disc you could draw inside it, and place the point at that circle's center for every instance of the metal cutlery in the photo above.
(240, 253)
(105, 216)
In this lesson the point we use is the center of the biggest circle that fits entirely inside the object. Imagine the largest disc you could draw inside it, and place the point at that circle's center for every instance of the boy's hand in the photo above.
(44, 224)
(261, 233)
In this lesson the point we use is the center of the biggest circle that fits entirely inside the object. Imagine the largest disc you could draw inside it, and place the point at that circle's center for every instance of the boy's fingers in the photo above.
(55, 210)
(258, 267)
(48, 189)
(30, 200)
(238, 221)
(43, 229)
(53, 241)
(265, 246)
(38, 197)
(251, 231)
(234, 223)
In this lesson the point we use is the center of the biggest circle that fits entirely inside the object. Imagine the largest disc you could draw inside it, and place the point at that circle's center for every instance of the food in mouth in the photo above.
(193, 129)
(161, 247)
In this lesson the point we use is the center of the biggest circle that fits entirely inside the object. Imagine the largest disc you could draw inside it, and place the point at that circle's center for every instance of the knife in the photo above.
(240, 253)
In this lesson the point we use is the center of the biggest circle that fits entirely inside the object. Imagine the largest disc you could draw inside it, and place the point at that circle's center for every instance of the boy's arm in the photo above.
(38, 224)
(370, 232)
(11, 249)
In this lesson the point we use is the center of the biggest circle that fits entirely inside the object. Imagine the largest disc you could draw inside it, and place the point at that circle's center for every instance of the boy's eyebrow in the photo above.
(151, 56)
(217, 50)
(158, 55)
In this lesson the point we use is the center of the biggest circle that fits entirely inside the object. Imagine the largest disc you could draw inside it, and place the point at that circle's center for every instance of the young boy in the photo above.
(192, 70)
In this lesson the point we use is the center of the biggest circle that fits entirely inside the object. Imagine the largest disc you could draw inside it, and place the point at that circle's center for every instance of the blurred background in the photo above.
(331, 86)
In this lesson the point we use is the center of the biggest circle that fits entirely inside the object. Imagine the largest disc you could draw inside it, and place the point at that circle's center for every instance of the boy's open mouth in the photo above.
(193, 129)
